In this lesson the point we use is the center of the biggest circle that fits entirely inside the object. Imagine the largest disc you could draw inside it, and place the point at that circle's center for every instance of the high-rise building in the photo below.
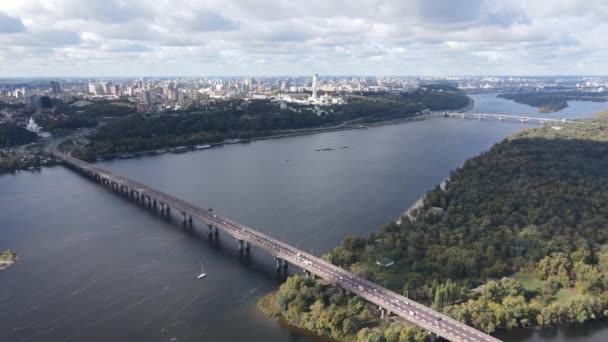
(55, 87)
(115, 90)
(314, 85)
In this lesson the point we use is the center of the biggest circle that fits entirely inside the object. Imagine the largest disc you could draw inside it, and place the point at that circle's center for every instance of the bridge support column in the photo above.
(285, 265)
(240, 245)
(382, 312)
(216, 232)
(278, 260)
(247, 246)
(209, 230)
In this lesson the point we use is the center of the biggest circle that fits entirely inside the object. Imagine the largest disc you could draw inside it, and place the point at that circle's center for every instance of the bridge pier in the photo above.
(309, 274)
(240, 245)
(144, 194)
(216, 232)
(209, 230)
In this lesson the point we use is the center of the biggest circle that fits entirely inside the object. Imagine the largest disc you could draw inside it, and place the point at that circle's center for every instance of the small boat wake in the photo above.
(203, 274)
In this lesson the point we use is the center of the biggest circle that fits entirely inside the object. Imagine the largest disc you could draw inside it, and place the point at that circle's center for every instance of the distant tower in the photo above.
(314, 85)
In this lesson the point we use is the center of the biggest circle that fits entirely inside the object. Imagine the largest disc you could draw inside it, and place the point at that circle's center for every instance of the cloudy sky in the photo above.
(281, 37)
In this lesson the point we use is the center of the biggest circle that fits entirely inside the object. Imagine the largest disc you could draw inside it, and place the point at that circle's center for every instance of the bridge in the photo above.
(501, 117)
(387, 301)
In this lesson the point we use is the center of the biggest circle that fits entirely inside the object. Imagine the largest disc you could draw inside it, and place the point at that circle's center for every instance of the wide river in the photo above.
(95, 267)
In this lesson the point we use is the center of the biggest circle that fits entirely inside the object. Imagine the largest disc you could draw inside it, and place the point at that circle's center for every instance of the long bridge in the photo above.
(387, 301)
(501, 117)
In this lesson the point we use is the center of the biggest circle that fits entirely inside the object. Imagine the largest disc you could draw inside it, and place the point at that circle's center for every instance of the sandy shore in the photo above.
(420, 202)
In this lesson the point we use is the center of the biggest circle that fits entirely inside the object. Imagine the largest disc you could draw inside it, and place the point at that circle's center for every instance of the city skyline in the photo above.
(66, 38)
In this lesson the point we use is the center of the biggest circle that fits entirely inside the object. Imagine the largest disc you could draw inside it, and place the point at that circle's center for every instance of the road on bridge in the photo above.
(410, 310)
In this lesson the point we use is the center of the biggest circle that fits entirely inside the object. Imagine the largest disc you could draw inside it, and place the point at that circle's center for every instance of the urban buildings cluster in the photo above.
(165, 94)
(161, 94)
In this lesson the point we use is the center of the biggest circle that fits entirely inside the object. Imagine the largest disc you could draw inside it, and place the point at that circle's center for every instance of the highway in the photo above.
(416, 313)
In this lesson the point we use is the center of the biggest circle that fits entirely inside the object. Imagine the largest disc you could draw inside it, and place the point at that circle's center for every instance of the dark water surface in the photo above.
(95, 267)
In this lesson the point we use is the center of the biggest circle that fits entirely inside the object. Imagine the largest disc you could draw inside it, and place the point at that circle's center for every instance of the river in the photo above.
(95, 267)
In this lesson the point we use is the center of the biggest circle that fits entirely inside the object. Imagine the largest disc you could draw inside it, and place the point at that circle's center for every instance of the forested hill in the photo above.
(13, 135)
(534, 209)
(243, 119)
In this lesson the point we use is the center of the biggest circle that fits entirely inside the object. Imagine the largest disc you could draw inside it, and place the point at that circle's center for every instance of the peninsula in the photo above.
(517, 238)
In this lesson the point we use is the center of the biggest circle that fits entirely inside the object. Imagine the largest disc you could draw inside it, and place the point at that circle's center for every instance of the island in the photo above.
(548, 102)
(7, 258)
(517, 237)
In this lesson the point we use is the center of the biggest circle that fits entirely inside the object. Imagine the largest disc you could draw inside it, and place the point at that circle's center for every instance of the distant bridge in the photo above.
(388, 301)
(501, 117)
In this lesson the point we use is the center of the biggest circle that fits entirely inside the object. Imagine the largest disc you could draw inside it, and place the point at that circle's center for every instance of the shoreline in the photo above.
(344, 126)
(420, 201)
(8, 258)
(284, 134)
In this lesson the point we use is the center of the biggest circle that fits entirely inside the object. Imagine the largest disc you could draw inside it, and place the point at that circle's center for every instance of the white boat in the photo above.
(202, 147)
(203, 274)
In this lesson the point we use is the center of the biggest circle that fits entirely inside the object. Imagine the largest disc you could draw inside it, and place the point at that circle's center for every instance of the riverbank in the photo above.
(468, 237)
(7, 258)
(89, 154)
(420, 202)
(280, 135)
(11, 161)
(330, 313)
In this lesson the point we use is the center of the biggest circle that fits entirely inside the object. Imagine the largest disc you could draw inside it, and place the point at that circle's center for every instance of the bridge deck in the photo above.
(523, 118)
(412, 311)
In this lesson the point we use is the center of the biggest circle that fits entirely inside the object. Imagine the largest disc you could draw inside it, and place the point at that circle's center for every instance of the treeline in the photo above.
(505, 305)
(536, 203)
(248, 119)
(552, 101)
(324, 310)
(13, 135)
(86, 116)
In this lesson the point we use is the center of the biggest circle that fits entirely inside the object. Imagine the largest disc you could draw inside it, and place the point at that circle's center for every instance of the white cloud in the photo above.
(211, 37)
